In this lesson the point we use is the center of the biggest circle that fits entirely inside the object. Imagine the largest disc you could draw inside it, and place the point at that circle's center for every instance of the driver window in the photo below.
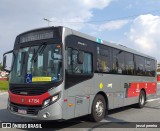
(72, 62)
(77, 68)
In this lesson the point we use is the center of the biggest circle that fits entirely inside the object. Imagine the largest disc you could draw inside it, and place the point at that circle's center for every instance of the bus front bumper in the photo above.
(51, 112)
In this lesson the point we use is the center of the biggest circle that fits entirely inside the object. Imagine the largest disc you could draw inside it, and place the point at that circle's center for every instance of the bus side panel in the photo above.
(82, 105)
(137, 83)
(110, 84)
(70, 112)
(136, 87)
(151, 88)
(80, 94)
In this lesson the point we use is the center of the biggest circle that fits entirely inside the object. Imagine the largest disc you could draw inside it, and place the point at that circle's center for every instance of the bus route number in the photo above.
(33, 100)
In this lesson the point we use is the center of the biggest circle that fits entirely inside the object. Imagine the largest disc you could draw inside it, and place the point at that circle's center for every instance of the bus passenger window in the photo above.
(118, 62)
(140, 62)
(102, 65)
(153, 68)
(149, 67)
(103, 60)
(129, 64)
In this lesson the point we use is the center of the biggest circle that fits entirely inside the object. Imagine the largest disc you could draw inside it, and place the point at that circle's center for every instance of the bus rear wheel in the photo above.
(142, 99)
(98, 109)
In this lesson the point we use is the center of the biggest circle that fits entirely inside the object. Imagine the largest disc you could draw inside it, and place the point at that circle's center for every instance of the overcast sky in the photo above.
(107, 19)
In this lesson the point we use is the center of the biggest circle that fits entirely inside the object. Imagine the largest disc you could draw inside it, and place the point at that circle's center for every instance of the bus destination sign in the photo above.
(34, 36)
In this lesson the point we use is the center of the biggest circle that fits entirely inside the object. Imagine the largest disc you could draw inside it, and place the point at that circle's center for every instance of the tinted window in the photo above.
(153, 65)
(140, 65)
(118, 61)
(69, 60)
(115, 61)
(73, 65)
(129, 64)
(104, 60)
(149, 67)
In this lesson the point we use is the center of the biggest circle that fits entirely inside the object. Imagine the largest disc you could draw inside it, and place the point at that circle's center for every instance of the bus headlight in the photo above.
(51, 100)
(54, 98)
(46, 102)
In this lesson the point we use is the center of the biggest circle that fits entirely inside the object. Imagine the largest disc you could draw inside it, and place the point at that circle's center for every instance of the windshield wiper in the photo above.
(23, 61)
(39, 50)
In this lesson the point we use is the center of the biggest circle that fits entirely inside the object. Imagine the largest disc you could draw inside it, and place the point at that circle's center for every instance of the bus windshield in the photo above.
(37, 64)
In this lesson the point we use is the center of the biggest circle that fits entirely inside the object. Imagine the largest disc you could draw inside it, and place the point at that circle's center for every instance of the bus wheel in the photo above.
(142, 99)
(98, 108)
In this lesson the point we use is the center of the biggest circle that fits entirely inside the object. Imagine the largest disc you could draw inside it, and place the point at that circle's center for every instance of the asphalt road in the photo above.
(150, 113)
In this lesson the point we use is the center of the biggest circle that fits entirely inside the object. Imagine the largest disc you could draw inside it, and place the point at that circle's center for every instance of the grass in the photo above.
(3, 85)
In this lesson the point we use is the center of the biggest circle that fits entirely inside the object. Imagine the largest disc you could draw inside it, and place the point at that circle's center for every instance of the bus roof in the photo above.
(94, 39)
(114, 45)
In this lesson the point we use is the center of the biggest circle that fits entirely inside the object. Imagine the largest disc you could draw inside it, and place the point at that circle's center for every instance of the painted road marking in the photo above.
(150, 100)
(4, 93)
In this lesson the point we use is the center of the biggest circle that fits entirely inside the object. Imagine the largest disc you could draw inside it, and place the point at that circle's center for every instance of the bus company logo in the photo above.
(80, 43)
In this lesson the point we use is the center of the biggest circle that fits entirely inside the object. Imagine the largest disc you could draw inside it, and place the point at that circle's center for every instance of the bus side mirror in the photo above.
(4, 61)
(80, 57)
(5, 66)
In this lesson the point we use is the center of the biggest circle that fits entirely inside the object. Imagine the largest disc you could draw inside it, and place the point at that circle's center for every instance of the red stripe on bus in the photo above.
(135, 88)
(28, 100)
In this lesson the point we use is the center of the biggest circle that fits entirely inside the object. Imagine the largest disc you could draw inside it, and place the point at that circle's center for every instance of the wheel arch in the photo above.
(92, 97)
(93, 117)
(105, 97)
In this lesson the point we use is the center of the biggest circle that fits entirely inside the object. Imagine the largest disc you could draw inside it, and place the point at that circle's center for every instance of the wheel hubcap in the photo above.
(99, 108)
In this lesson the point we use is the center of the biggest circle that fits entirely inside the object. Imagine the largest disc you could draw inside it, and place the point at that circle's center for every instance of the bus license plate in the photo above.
(22, 111)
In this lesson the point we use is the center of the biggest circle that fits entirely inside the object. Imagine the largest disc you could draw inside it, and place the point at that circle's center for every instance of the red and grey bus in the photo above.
(58, 73)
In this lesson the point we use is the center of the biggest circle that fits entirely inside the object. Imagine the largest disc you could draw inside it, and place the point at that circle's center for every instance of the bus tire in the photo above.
(98, 111)
(142, 99)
